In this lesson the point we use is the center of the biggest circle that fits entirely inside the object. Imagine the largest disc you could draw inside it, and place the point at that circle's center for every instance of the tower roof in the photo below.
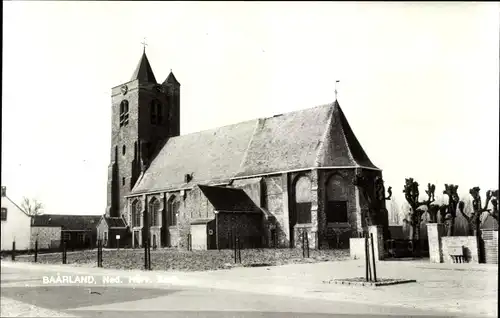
(171, 79)
(144, 72)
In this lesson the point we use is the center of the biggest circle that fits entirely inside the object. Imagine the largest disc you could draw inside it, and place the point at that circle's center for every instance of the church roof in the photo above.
(228, 199)
(309, 138)
(143, 71)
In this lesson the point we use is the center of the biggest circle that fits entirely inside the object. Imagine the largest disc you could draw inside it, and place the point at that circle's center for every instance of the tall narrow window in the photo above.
(156, 112)
(173, 210)
(136, 213)
(303, 200)
(124, 113)
(336, 196)
(154, 210)
(4, 214)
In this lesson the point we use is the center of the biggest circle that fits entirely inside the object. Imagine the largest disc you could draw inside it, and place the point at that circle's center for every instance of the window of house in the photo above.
(124, 113)
(156, 112)
(4, 214)
(123, 181)
(105, 237)
(336, 196)
(124, 150)
(154, 210)
(173, 210)
(303, 200)
(136, 213)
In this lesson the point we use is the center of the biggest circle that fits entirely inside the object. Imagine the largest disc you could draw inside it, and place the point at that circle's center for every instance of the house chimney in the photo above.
(4, 191)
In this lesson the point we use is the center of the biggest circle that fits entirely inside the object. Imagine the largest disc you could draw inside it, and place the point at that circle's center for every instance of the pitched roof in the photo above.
(229, 199)
(143, 71)
(67, 222)
(115, 222)
(6, 202)
(314, 137)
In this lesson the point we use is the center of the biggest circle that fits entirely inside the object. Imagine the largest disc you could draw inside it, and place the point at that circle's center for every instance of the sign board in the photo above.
(117, 237)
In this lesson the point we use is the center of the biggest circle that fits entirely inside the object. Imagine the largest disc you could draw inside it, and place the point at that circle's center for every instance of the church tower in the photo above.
(144, 115)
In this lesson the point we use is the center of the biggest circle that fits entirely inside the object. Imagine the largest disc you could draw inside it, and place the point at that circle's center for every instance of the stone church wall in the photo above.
(194, 206)
(337, 185)
(276, 202)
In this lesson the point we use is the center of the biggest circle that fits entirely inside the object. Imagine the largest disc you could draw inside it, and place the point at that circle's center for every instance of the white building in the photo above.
(16, 225)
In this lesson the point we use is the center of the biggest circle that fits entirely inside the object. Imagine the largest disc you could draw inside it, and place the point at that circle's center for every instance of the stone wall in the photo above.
(469, 244)
(45, 236)
(357, 248)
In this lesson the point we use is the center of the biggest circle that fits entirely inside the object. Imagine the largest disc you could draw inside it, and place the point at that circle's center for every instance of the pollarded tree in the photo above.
(494, 203)
(411, 195)
(449, 211)
(474, 218)
(373, 191)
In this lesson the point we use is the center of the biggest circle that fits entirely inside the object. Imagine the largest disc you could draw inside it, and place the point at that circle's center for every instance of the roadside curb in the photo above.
(339, 293)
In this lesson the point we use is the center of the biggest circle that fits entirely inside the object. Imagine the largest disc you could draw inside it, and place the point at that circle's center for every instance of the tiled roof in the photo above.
(314, 137)
(229, 199)
(67, 222)
(144, 72)
(115, 222)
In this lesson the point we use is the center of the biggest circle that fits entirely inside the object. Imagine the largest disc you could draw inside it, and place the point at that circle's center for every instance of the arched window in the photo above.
(124, 113)
(173, 210)
(336, 200)
(156, 112)
(303, 200)
(136, 213)
(154, 209)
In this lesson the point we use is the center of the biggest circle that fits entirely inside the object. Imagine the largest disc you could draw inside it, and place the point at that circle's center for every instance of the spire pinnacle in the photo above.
(336, 82)
(144, 44)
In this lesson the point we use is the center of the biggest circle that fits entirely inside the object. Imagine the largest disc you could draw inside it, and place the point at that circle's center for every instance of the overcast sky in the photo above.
(419, 83)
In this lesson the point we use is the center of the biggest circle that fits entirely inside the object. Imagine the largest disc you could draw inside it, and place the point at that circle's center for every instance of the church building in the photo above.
(267, 181)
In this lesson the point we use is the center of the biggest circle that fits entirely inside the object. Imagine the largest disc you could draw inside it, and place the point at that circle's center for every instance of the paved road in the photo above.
(24, 294)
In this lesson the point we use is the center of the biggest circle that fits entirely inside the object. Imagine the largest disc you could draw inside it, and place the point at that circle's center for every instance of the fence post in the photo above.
(239, 249)
(36, 251)
(367, 260)
(303, 244)
(373, 258)
(13, 250)
(235, 247)
(64, 252)
(307, 243)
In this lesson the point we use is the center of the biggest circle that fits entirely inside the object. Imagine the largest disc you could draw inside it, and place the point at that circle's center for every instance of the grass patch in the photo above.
(188, 261)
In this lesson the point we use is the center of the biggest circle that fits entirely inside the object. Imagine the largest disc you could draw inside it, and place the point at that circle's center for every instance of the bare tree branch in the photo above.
(32, 207)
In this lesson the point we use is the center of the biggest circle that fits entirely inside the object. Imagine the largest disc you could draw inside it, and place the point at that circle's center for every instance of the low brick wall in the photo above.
(357, 248)
(469, 244)
(490, 238)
